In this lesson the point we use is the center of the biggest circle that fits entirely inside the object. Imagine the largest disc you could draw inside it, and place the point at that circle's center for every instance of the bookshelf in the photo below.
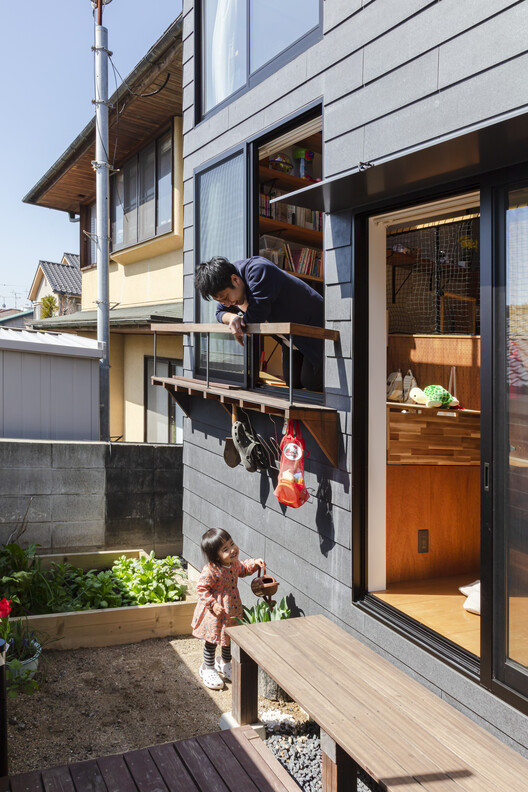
(290, 232)
(284, 181)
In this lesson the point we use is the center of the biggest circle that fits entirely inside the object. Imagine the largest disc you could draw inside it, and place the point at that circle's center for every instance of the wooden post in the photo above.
(245, 686)
(339, 769)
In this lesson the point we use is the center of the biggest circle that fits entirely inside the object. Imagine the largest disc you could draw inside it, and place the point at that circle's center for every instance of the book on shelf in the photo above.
(289, 213)
(303, 261)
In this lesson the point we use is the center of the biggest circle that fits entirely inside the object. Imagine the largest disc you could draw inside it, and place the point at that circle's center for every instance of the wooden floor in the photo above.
(228, 761)
(438, 604)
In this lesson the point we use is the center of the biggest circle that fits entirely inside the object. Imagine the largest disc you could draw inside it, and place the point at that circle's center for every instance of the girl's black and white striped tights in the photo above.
(210, 651)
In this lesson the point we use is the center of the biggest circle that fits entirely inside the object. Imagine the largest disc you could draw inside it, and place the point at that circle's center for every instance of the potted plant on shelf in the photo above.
(23, 652)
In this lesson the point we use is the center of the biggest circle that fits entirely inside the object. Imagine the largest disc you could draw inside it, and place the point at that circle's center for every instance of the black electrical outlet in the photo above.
(423, 541)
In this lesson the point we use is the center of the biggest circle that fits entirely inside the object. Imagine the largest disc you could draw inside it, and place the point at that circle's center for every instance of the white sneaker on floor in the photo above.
(224, 668)
(210, 678)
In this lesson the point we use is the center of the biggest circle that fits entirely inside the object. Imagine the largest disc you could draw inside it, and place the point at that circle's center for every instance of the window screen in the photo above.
(221, 221)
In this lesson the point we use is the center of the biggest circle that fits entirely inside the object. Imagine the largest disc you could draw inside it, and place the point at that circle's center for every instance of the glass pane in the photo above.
(222, 233)
(130, 203)
(157, 404)
(276, 24)
(224, 49)
(147, 192)
(117, 210)
(164, 208)
(516, 517)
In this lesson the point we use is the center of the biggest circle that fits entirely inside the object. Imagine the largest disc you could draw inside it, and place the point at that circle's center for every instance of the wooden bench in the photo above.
(229, 761)
(372, 715)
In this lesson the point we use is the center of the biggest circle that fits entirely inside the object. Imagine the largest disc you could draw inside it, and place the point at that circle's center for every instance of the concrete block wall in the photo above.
(91, 496)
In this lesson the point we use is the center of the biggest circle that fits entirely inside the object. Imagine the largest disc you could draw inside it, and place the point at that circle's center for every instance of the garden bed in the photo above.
(111, 626)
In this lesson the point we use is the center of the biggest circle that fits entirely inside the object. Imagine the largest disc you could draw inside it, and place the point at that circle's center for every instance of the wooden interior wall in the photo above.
(431, 358)
(444, 500)
(427, 438)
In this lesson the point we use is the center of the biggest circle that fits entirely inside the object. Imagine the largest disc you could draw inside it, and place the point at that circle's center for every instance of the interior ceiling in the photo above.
(131, 124)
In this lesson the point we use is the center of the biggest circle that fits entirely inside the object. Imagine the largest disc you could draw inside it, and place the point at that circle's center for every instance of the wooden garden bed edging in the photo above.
(110, 626)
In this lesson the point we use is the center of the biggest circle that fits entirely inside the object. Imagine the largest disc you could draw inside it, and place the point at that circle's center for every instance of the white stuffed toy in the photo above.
(433, 396)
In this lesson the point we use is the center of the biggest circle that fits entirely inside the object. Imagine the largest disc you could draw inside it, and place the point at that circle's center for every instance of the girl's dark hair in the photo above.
(212, 541)
(214, 276)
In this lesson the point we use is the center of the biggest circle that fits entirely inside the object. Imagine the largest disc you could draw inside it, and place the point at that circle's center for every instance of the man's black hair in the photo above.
(214, 276)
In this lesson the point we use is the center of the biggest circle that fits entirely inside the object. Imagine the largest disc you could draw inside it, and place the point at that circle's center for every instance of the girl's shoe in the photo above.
(224, 668)
(210, 678)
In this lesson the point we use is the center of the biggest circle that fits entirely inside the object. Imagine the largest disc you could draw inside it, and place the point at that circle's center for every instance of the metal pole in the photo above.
(3, 712)
(290, 389)
(101, 167)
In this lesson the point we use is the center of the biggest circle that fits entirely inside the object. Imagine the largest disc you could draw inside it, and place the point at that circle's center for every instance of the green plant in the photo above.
(48, 306)
(22, 645)
(150, 580)
(97, 590)
(263, 612)
(22, 577)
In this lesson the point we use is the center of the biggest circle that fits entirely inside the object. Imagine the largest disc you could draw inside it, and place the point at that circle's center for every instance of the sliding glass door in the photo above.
(510, 436)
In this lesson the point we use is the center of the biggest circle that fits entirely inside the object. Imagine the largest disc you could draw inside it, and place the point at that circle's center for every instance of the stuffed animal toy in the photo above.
(433, 396)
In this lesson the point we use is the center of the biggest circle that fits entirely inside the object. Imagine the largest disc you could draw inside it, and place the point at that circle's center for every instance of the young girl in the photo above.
(219, 602)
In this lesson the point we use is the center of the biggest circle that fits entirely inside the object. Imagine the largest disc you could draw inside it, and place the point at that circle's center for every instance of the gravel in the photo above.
(297, 746)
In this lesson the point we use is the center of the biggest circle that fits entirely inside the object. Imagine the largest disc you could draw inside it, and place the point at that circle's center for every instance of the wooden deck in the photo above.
(229, 761)
(372, 715)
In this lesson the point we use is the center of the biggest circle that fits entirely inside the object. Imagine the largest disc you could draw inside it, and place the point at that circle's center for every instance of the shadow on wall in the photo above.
(324, 519)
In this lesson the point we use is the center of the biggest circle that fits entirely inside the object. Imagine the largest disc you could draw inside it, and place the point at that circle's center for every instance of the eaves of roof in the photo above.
(133, 317)
(87, 135)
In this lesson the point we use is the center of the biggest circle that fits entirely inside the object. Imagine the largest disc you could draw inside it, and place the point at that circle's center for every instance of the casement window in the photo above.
(142, 195)
(220, 206)
(243, 41)
(163, 417)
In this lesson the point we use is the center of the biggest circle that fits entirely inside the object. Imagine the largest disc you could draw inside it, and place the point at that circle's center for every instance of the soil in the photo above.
(94, 702)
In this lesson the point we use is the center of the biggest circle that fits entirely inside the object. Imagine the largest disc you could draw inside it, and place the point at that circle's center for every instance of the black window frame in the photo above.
(483, 670)
(165, 228)
(251, 223)
(219, 375)
(301, 44)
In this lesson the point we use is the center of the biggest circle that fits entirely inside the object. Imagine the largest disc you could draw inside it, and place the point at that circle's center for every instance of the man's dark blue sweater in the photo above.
(274, 295)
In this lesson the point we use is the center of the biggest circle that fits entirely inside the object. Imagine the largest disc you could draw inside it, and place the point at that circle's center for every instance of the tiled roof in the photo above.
(63, 278)
(72, 258)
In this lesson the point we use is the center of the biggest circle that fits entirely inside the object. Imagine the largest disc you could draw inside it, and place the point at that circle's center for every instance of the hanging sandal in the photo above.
(210, 678)
(224, 668)
(244, 444)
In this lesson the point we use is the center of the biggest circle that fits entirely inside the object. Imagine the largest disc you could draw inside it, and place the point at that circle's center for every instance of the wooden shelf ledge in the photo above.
(264, 328)
(322, 422)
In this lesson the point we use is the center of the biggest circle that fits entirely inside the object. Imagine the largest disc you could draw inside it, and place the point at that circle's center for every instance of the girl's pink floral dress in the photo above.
(219, 584)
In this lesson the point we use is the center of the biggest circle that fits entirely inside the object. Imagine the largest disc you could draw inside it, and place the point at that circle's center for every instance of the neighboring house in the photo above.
(49, 386)
(146, 258)
(418, 118)
(14, 318)
(62, 281)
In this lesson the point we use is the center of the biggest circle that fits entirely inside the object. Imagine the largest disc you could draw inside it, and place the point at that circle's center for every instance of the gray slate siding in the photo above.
(392, 75)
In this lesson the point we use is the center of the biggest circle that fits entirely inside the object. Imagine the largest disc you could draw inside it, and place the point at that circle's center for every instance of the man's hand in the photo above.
(236, 323)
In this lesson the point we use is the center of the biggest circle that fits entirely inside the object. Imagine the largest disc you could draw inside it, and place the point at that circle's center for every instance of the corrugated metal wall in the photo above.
(48, 397)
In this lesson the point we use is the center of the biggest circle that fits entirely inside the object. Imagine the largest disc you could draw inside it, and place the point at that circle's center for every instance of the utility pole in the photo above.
(102, 167)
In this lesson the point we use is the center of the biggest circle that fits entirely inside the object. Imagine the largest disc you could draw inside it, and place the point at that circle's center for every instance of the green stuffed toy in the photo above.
(433, 396)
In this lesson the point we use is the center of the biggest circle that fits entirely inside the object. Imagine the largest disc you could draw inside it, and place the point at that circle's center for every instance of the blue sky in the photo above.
(48, 90)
